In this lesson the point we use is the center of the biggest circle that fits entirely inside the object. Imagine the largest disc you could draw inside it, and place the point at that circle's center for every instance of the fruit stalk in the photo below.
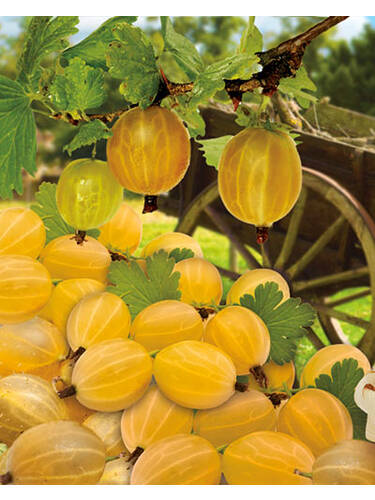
(150, 204)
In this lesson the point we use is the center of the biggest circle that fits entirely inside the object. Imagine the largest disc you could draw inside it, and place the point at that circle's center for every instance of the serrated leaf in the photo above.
(131, 59)
(191, 116)
(251, 39)
(213, 149)
(44, 35)
(88, 133)
(344, 378)
(45, 206)
(294, 87)
(182, 49)
(80, 87)
(138, 290)
(93, 48)
(179, 254)
(211, 80)
(17, 137)
(286, 322)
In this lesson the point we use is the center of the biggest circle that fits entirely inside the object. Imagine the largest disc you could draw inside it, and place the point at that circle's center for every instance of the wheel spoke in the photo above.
(233, 258)
(266, 261)
(342, 316)
(228, 274)
(316, 248)
(292, 232)
(190, 216)
(348, 298)
(224, 228)
(314, 339)
(333, 330)
(331, 279)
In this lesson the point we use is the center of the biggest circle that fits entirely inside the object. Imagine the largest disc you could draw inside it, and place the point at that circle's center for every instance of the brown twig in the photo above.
(279, 62)
(103, 117)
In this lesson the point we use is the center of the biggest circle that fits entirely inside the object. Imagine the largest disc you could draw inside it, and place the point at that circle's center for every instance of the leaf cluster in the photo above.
(75, 83)
(286, 321)
(139, 289)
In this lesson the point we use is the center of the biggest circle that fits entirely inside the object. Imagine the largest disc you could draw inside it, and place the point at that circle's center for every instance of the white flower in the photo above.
(364, 397)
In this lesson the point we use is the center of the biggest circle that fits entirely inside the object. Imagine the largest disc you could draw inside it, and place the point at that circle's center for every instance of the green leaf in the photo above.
(93, 48)
(3, 448)
(138, 290)
(183, 50)
(211, 80)
(213, 149)
(44, 35)
(293, 87)
(286, 322)
(191, 116)
(80, 87)
(179, 254)
(251, 39)
(344, 378)
(17, 137)
(246, 117)
(88, 133)
(131, 58)
(45, 206)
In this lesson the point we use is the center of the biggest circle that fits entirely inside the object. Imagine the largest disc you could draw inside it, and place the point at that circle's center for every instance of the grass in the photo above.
(216, 249)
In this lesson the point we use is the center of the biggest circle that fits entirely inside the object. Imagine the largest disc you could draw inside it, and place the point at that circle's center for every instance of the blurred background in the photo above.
(341, 63)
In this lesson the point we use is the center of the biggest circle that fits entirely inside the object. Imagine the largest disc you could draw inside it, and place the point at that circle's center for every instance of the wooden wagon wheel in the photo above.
(351, 214)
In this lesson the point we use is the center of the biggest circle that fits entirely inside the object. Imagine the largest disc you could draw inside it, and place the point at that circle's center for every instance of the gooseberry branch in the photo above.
(278, 62)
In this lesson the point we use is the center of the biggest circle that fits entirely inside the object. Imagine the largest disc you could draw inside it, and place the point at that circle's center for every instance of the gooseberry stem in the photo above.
(67, 392)
(259, 376)
(241, 387)
(221, 449)
(80, 237)
(303, 474)
(135, 455)
(262, 235)
(276, 398)
(150, 205)
(204, 312)
(77, 354)
(6, 478)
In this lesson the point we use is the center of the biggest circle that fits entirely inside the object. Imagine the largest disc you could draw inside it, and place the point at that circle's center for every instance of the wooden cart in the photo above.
(327, 242)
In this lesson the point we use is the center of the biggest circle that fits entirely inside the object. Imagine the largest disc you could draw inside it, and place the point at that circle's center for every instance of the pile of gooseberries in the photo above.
(93, 394)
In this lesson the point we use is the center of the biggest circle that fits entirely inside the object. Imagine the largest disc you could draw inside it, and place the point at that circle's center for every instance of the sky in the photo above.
(347, 29)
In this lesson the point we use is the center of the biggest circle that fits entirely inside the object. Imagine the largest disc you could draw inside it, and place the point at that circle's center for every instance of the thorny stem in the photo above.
(279, 62)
